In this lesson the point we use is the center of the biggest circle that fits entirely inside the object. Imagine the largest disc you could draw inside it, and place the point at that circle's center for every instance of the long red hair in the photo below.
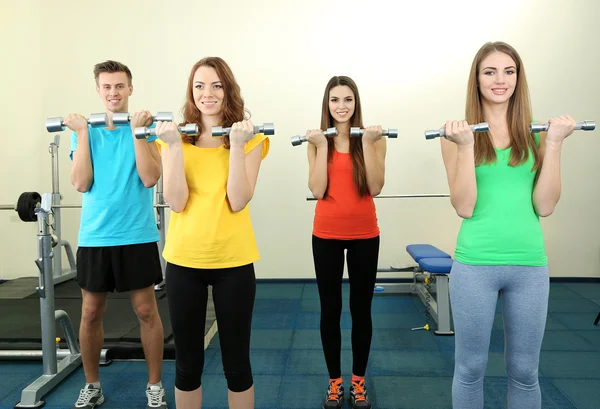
(233, 103)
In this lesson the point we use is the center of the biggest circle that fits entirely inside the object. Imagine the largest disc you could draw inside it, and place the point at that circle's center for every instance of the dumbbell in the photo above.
(56, 124)
(142, 132)
(579, 126)
(123, 118)
(299, 139)
(266, 128)
(435, 133)
(390, 133)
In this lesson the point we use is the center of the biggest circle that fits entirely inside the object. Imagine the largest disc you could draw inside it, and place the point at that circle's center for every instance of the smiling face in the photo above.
(341, 103)
(114, 89)
(208, 91)
(497, 78)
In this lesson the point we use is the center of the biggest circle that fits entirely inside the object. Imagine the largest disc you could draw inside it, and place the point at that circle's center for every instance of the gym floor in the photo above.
(407, 369)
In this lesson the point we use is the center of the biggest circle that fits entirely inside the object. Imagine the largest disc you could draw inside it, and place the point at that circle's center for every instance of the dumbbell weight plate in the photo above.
(269, 129)
(98, 120)
(55, 124)
(26, 206)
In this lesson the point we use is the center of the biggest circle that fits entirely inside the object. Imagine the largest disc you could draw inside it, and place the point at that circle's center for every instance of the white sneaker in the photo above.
(89, 397)
(157, 397)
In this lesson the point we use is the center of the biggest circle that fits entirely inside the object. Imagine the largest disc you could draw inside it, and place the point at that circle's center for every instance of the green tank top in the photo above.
(504, 228)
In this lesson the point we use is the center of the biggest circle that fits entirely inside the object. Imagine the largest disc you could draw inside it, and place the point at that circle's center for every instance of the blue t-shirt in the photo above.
(117, 209)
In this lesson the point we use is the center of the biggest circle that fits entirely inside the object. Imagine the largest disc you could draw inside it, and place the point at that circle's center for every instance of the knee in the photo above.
(188, 380)
(522, 372)
(331, 310)
(91, 314)
(239, 380)
(360, 311)
(146, 312)
(238, 369)
(471, 371)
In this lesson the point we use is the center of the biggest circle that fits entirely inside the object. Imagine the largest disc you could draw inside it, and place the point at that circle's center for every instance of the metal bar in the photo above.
(443, 300)
(65, 206)
(57, 222)
(31, 396)
(412, 196)
(37, 355)
(161, 224)
(47, 313)
(70, 256)
(65, 322)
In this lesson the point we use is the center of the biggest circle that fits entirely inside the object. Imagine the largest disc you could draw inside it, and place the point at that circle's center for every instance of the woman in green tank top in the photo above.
(501, 182)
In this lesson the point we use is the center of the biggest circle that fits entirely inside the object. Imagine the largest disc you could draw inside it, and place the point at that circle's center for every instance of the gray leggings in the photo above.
(473, 295)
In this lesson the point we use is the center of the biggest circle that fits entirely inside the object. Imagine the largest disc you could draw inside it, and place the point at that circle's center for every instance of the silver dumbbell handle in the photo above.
(579, 126)
(299, 139)
(123, 118)
(390, 133)
(56, 124)
(267, 128)
(142, 132)
(436, 133)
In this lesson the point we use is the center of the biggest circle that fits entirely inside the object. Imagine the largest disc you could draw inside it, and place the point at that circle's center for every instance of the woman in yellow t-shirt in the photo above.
(208, 183)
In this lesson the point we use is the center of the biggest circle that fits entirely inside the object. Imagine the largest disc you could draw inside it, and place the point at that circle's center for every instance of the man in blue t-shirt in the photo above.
(117, 248)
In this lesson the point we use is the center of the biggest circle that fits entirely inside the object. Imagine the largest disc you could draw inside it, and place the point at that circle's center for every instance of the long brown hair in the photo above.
(233, 103)
(359, 172)
(519, 115)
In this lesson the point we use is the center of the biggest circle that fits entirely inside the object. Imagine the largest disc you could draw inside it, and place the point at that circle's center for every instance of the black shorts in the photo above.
(118, 268)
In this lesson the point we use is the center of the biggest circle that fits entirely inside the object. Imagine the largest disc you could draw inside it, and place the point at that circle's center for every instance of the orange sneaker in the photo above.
(335, 395)
(358, 395)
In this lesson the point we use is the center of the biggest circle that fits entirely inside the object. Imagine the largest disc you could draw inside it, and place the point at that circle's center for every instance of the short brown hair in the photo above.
(111, 66)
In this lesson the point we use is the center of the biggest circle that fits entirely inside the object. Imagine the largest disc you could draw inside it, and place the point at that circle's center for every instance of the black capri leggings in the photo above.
(233, 290)
(362, 258)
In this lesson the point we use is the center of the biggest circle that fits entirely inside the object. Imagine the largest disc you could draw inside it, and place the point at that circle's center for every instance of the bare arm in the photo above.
(82, 171)
(317, 163)
(175, 186)
(147, 160)
(547, 190)
(243, 174)
(459, 161)
(374, 153)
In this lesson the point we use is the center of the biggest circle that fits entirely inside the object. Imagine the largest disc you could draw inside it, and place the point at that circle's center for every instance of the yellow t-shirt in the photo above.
(207, 234)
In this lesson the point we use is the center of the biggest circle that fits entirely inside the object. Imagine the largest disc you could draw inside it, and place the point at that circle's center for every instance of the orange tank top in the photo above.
(343, 214)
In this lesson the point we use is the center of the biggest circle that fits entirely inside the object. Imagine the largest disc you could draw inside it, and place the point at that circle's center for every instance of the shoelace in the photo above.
(155, 397)
(359, 391)
(334, 391)
(85, 395)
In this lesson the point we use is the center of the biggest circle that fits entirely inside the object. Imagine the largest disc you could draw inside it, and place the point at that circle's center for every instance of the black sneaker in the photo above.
(89, 397)
(335, 395)
(157, 397)
(358, 395)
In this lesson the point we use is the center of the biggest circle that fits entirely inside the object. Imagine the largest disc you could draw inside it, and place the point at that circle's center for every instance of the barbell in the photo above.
(28, 202)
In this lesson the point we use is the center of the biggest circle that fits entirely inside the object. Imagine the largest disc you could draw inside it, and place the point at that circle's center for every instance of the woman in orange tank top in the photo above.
(344, 174)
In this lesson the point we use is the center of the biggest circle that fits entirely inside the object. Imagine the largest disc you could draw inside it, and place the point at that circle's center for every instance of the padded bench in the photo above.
(438, 263)
(430, 258)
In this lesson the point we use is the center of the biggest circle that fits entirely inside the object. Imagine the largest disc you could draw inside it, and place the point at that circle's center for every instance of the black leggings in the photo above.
(362, 258)
(233, 291)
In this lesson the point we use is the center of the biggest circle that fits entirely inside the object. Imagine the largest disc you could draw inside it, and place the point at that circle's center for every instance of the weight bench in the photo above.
(432, 265)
